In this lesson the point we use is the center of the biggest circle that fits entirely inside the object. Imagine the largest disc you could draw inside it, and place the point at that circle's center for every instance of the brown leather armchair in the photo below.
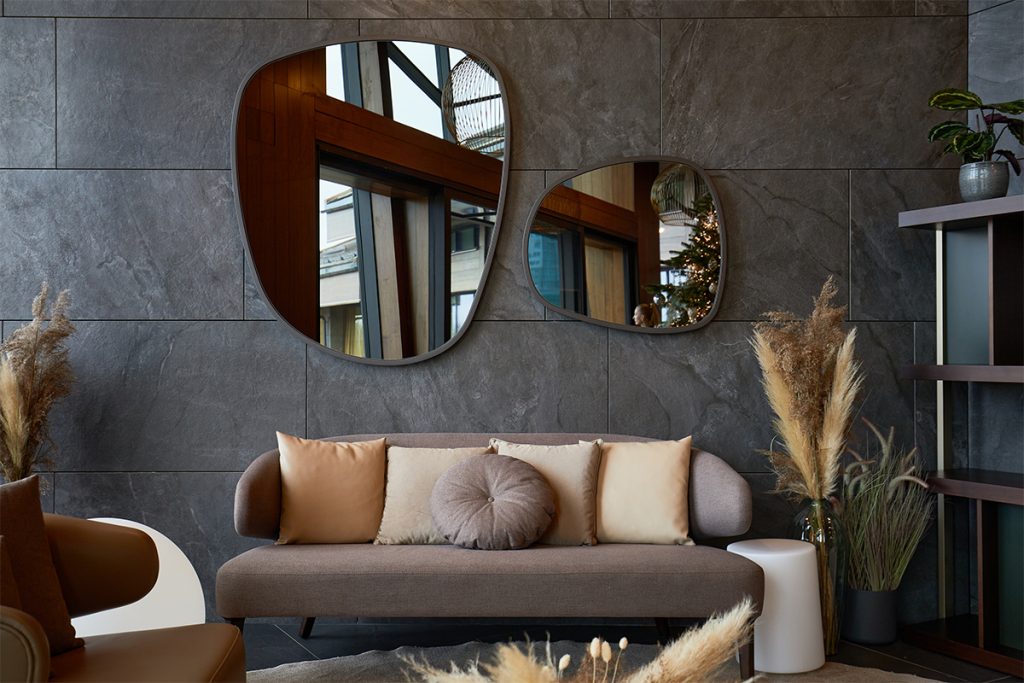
(101, 566)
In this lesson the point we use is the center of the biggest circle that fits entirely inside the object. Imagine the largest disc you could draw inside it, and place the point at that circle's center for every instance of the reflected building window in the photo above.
(634, 244)
(345, 155)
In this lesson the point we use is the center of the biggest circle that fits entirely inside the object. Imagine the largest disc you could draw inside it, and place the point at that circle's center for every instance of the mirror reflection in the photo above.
(636, 244)
(370, 180)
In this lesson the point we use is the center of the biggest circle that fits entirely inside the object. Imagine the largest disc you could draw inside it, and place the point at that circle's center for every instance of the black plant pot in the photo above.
(870, 617)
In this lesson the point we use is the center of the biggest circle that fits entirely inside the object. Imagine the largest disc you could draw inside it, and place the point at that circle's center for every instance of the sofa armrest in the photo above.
(258, 498)
(24, 649)
(100, 566)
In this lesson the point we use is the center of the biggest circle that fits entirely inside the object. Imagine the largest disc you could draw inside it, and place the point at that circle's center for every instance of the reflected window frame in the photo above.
(537, 213)
(256, 129)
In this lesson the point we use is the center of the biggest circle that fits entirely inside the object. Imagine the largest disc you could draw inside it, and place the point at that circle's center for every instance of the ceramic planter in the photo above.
(869, 617)
(984, 180)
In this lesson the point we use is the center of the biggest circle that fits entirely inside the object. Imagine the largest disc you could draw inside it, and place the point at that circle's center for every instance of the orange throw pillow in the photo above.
(28, 550)
(331, 492)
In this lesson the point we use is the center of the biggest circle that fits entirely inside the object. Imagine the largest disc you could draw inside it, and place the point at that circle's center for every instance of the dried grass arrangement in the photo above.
(696, 656)
(886, 511)
(34, 374)
(811, 380)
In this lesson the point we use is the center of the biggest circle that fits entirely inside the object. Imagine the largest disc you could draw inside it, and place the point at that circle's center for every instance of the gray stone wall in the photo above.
(115, 183)
(994, 436)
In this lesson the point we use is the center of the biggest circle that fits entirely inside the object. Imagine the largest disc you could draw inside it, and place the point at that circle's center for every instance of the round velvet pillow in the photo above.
(492, 502)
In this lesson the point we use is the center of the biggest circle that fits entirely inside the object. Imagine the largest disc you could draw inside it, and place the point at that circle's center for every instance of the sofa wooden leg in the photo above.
(307, 627)
(664, 632)
(239, 622)
(747, 660)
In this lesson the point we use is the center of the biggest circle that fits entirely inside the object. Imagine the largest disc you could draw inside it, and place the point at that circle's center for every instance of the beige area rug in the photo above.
(379, 666)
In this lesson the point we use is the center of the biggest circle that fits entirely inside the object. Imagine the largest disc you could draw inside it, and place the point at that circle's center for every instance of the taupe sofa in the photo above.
(607, 580)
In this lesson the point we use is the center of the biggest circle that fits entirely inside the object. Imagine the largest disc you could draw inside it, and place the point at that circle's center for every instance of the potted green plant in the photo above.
(886, 511)
(981, 177)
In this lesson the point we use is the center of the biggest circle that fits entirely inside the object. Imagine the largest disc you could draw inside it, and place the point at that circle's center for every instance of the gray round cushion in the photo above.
(492, 502)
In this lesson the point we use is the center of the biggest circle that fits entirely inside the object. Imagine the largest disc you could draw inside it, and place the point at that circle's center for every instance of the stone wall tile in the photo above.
(786, 232)
(127, 244)
(159, 93)
(458, 9)
(252, 9)
(679, 9)
(27, 97)
(892, 270)
(703, 383)
(808, 93)
(501, 377)
(154, 396)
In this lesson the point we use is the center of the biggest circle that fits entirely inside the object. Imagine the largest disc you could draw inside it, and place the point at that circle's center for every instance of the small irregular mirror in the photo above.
(638, 245)
(370, 182)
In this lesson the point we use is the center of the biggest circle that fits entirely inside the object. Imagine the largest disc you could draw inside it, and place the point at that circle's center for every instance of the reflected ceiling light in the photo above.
(472, 107)
(673, 194)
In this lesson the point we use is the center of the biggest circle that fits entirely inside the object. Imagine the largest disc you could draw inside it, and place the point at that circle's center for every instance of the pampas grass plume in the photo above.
(697, 656)
(34, 374)
(700, 652)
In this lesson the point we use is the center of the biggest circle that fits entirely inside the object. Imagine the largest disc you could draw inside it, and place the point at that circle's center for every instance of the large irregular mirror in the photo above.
(638, 245)
(370, 182)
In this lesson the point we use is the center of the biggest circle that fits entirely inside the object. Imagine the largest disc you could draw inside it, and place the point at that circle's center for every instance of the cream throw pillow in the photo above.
(572, 473)
(643, 492)
(331, 492)
(412, 473)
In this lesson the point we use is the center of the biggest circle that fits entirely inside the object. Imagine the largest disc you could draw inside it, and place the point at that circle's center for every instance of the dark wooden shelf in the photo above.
(1012, 374)
(990, 485)
(961, 216)
(958, 636)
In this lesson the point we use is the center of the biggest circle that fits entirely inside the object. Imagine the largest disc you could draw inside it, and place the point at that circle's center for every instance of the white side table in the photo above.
(787, 635)
(175, 600)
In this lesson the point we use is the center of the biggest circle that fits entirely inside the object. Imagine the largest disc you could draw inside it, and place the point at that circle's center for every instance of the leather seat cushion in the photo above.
(204, 652)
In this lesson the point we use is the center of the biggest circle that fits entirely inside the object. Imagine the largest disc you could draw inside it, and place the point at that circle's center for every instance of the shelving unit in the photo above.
(979, 319)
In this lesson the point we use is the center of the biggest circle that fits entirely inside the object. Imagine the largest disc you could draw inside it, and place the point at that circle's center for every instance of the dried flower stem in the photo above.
(695, 657)
(811, 379)
(34, 374)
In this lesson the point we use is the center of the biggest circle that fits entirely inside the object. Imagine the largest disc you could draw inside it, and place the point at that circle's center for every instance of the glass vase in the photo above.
(818, 524)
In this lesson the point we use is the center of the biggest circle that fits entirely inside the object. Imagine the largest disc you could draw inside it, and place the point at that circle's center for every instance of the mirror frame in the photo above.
(618, 326)
(498, 218)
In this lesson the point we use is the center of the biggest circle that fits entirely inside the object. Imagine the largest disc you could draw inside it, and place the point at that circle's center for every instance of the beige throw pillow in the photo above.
(643, 492)
(331, 492)
(412, 473)
(572, 471)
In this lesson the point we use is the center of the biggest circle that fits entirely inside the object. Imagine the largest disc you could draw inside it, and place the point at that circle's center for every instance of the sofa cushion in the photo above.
(614, 580)
(642, 494)
(331, 492)
(28, 549)
(571, 470)
(203, 652)
(412, 473)
(492, 502)
(720, 504)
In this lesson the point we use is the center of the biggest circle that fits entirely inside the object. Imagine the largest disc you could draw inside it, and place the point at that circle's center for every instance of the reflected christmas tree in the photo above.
(695, 268)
